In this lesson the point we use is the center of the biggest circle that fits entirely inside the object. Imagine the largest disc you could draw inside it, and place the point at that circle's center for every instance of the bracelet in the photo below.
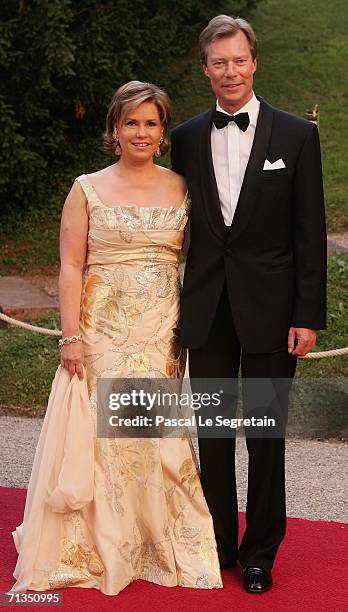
(68, 340)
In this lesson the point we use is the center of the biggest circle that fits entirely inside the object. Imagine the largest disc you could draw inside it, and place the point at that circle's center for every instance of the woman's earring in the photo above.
(158, 150)
(117, 142)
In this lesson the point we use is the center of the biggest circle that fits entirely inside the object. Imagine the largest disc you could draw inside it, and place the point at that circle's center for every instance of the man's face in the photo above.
(230, 68)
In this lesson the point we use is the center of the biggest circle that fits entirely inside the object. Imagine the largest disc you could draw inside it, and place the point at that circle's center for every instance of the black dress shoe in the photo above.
(257, 579)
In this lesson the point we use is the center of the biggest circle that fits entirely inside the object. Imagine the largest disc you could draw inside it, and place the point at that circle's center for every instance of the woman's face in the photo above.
(140, 132)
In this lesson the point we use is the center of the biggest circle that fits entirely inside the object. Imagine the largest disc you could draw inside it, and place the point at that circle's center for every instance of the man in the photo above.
(255, 280)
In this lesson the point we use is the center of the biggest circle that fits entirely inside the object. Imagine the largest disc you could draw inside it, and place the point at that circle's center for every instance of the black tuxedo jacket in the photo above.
(273, 257)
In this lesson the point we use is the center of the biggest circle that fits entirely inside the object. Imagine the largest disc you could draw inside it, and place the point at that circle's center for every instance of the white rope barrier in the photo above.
(332, 353)
(57, 332)
(28, 326)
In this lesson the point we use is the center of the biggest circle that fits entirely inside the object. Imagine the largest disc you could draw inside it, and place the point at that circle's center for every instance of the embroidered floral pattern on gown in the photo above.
(148, 518)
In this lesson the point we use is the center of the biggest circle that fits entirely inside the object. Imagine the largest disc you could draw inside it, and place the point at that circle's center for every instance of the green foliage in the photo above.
(61, 61)
(303, 59)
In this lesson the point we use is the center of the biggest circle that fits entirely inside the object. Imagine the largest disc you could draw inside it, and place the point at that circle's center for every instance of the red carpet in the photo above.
(309, 575)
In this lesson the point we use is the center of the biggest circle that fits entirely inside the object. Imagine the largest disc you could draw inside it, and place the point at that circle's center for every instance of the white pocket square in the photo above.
(277, 165)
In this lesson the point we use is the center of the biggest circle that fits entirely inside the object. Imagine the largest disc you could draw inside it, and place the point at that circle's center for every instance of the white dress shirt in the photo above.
(231, 151)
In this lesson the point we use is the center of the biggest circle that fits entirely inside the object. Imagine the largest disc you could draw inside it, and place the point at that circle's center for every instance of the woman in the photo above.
(121, 234)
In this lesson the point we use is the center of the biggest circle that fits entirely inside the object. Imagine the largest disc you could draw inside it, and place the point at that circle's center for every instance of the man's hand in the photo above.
(306, 339)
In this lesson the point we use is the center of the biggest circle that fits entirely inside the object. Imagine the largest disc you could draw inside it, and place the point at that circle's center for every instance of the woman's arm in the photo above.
(73, 244)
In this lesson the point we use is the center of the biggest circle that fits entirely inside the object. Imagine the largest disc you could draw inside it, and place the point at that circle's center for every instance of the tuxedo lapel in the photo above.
(253, 174)
(210, 195)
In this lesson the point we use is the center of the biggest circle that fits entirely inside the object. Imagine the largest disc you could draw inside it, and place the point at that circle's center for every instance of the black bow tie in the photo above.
(220, 120)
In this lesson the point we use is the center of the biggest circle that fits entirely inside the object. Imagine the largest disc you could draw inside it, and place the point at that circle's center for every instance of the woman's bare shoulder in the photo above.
(174, 181)
(102, 173)
(76, 195)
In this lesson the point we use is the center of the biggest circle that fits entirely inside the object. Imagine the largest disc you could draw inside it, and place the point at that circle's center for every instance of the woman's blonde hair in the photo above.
(125, 100)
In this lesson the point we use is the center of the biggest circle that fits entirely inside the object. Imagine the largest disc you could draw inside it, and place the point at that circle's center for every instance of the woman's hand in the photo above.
(72, 358)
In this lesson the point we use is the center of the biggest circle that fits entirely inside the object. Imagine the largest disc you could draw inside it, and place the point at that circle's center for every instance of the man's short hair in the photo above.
(224, 26)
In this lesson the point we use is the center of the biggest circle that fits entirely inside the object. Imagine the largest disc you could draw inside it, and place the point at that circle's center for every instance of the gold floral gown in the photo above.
(146, 517)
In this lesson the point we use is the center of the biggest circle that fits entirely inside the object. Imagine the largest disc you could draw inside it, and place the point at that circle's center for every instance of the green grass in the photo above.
(31, 247)
(28, 364)
(28, 360)
(336, 334)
